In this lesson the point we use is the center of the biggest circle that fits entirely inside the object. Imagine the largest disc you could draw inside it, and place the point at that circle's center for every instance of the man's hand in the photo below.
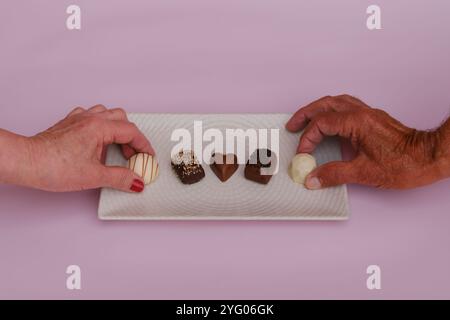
(70, 155)
(388, 154)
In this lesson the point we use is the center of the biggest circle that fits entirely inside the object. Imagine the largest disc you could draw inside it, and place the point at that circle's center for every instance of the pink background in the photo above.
(223, 56)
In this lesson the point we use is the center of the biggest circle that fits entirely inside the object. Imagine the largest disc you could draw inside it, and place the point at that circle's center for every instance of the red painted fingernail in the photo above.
(138, 186)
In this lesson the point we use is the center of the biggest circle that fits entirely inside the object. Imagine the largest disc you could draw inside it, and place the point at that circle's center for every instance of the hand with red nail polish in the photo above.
(388, 154)
(70, 155)
(137, 186)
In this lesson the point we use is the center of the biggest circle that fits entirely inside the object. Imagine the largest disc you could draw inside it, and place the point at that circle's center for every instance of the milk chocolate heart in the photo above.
(261, 158)
(224, 165)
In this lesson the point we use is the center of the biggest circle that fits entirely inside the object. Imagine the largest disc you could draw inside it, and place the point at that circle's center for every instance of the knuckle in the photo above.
(345, 96)
(133, 126)
(307, 140)
(120, 111)
(379, 112)
(77, 109)
(382, 180)
(314, 123)
(122, 178)
(328, 99)
(100, 175)
(332, 175)
(322, 118)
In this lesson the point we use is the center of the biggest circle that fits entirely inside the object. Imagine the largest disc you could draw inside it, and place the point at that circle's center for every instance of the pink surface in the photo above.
(223, 56)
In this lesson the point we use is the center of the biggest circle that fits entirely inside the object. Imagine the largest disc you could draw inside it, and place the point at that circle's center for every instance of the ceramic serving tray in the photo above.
(210, 199)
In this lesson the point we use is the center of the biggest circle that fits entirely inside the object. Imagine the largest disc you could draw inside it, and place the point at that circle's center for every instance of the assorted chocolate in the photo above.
(224, 165)
(189, 170)
(187, 167)
(260, 159)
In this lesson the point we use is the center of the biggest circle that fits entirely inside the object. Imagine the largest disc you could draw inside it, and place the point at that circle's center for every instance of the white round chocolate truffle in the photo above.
(301, 165)
(145, 166)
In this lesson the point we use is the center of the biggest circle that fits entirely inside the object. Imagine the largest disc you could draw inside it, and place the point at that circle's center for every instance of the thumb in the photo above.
(331, 174)
(121, 178)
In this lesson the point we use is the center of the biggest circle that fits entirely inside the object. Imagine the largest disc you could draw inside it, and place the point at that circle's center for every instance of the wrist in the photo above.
(442, 149)
(16, 166)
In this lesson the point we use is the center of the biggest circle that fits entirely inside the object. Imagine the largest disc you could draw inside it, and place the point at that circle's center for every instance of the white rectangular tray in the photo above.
(210, 199)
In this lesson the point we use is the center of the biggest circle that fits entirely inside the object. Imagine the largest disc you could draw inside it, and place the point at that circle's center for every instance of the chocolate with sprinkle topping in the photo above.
(187, 168)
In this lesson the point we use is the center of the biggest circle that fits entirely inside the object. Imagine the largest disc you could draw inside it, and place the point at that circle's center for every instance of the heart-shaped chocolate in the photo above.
(260, 159)
(224, 165)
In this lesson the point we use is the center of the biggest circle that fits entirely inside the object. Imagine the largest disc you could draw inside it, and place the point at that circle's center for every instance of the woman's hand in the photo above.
(70, 155)
(388, 154)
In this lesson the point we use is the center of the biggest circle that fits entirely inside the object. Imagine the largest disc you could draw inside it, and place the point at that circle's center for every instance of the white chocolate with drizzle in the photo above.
(145, 166)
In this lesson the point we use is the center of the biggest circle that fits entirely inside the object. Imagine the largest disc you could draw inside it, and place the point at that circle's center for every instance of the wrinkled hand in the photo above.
(70, 155)
(388, 154)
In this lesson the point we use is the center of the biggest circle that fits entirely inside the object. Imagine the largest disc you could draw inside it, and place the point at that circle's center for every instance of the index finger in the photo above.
(328, 103)
(326, 124)
(300, 118)
(127, 133)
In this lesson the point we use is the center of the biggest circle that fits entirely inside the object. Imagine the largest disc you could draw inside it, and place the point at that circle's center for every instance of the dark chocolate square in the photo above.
(187, 168)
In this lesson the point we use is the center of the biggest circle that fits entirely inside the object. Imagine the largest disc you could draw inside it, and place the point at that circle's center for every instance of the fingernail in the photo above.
(137, 186)
(313, 183)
